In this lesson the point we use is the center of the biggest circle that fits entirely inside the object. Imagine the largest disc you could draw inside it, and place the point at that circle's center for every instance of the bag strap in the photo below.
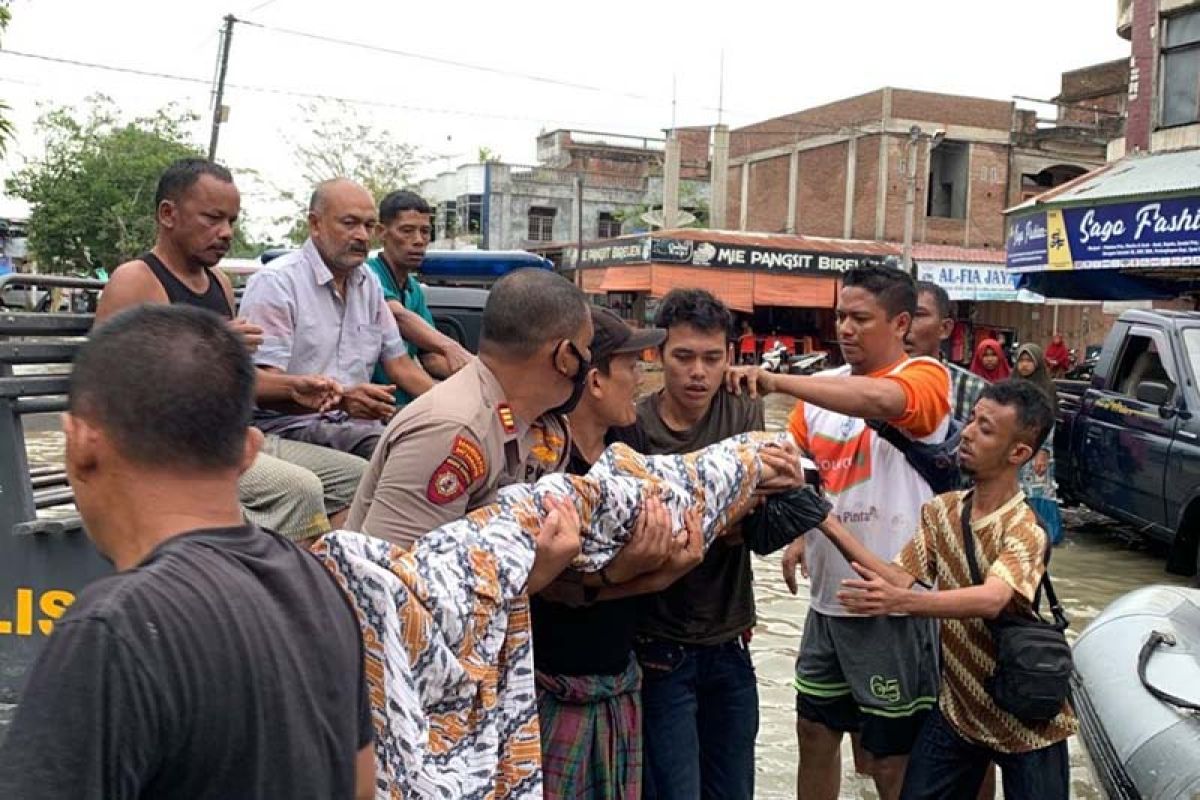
(1056, 609)
(969, 540)
(891, 434)
(896, 438)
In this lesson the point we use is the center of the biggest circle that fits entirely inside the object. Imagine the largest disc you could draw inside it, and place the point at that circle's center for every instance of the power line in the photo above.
(260, 6)
(449, 62)
(802, 129)
(271, 90)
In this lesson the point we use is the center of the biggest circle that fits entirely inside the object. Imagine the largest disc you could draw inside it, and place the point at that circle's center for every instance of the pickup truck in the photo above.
(1127, 442)
(45, 558)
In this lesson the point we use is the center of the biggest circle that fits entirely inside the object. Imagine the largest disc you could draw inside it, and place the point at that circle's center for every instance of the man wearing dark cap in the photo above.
(589, 683)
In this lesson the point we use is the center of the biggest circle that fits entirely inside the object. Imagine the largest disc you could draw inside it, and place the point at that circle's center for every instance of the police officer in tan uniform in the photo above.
(497, 421)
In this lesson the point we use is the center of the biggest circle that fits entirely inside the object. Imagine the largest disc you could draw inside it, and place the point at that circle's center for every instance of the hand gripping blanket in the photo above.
(446, 625)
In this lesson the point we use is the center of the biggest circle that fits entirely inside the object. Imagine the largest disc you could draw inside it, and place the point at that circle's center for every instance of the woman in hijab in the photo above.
(1058, 357)
(1037, 476)
(989, 362)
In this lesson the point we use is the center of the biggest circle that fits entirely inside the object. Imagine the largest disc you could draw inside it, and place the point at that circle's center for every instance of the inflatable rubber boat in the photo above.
(1136, 690)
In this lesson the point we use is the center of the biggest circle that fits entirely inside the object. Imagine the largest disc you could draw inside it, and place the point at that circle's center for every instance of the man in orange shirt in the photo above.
(875, 677)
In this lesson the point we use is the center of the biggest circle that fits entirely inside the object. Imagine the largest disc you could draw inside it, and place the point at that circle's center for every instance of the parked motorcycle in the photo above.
(778, 359)
(1083, 370)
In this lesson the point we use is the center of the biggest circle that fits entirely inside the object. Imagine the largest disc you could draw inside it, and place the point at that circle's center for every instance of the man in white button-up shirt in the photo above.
(322, 314)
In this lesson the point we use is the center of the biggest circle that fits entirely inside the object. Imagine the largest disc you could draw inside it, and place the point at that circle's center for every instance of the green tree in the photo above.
(339, 141)
(92, 189)
(6, 126)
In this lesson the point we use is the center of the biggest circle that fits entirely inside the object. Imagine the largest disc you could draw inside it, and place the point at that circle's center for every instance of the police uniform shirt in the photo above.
(448, 453)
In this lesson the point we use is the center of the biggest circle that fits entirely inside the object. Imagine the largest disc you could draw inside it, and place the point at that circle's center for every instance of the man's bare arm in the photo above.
(876, 596)
(856, 552)
(430, 341)
(408, 375)
(131, 284)
(309, 392)
(852, 395)
(364, 773)
(436, 365)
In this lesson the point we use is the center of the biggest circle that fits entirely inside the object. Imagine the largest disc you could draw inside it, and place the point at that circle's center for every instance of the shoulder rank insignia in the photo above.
(506, 418)
(465, 465)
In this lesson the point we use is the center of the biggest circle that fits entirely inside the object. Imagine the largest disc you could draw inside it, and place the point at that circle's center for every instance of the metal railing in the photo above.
(43, 548)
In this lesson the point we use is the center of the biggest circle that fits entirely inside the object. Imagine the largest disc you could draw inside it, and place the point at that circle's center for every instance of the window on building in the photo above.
(470, 213)
(447, 219)
(607, 226)
(1180, 90)
(541, 224)
(948, 178)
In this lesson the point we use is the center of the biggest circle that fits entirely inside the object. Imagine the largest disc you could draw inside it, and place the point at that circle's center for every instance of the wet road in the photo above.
(1098, 561)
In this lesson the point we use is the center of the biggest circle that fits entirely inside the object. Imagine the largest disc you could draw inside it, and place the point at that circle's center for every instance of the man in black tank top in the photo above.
(213, 298)
(297, 489)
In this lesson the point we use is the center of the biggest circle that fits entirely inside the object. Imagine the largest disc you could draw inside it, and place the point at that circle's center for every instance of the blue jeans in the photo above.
(700, 720)
(944, 764)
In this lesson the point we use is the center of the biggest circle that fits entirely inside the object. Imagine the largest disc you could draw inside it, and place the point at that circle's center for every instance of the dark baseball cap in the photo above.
(613, 337)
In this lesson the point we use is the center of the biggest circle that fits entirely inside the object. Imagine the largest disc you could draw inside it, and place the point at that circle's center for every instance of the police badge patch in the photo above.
(465, 465)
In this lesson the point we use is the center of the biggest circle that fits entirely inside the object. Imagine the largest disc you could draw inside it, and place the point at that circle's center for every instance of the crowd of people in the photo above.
(355, 560)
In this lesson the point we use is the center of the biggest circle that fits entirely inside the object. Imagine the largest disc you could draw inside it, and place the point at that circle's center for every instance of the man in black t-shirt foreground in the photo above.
(220, 661)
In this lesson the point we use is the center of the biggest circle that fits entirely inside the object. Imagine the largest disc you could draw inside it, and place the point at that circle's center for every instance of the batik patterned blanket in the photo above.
(446, 625)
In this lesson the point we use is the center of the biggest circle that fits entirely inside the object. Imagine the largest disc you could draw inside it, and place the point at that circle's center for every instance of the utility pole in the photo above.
(671, 169)
(910, 195)
(915, 135)
(579, 229)
(219, 95)
(719, 180)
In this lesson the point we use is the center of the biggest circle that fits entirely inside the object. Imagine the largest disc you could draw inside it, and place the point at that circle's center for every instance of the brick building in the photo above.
(1164, 75)
(1151, 175)
(840, 170)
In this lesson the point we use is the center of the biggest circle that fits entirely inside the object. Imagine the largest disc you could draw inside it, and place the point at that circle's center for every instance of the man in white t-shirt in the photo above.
(875, 677)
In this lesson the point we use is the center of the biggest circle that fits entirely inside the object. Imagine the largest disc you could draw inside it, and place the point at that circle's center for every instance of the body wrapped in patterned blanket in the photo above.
(446, 625)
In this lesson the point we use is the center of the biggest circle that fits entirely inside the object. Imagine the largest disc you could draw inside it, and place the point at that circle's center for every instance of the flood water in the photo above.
(1097, 562)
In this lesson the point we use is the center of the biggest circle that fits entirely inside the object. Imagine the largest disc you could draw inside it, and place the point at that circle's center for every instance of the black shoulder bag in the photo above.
(937, 464)
(1033, 659)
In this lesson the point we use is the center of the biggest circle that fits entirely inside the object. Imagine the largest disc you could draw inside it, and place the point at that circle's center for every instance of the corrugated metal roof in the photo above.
(1138, 175)
(947, 252)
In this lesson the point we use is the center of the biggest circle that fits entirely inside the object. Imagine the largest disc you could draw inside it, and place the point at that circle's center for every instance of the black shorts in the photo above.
(876, 676)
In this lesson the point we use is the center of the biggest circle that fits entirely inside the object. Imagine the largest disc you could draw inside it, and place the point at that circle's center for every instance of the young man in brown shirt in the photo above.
(968, 730)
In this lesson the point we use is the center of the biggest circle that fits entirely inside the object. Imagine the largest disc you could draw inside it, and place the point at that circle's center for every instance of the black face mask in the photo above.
(579, 381)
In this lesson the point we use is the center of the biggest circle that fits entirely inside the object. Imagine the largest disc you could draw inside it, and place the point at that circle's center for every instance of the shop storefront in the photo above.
(1127, 231)
(989, 304)
(778, 283)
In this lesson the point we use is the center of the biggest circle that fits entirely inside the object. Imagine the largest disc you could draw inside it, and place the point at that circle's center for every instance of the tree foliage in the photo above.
(690, 200)
(92, 189)
(340, 142)
(6, 126)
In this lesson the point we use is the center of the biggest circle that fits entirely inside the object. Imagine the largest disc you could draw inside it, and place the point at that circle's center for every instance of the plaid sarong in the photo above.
(591, 735)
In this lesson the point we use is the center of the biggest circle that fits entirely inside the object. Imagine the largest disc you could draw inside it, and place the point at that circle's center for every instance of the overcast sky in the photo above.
(779, 57)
